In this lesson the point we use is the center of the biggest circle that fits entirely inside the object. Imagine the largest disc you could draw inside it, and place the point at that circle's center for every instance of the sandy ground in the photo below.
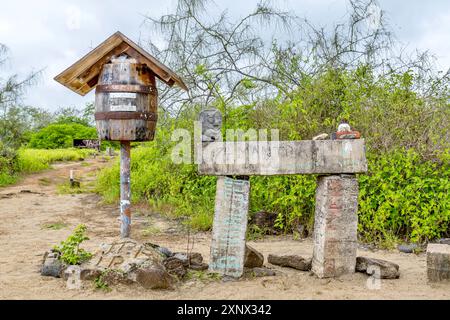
(24, 238)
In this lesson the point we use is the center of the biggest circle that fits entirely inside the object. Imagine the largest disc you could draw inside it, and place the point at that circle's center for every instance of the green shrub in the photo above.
(57, 136)
(403, 196)
(70, 250)
(177, 190)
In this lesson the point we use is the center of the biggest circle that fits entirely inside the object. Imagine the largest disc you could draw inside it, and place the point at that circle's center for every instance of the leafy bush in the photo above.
(57, 136)
(70, 250)
(402, 196)
(8, 165)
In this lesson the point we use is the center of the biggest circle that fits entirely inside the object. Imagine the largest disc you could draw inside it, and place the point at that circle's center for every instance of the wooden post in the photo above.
(71, 178)
(125, 190)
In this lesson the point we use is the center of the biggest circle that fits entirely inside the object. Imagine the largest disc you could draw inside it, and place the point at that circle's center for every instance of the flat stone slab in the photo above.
(380, 269)
(438, 262)
(291, 261)
(128, 261)
(283, 157)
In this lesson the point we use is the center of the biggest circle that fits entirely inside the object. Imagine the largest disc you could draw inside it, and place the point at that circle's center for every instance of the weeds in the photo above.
(55, 226)
(204, 276)
(100, 283)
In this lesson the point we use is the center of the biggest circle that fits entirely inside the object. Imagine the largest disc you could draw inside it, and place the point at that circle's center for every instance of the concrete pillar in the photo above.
(438, 262)
(335, 226)
(229, 227)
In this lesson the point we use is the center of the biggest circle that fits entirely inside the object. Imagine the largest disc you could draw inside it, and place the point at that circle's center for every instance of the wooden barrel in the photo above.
(126, 101)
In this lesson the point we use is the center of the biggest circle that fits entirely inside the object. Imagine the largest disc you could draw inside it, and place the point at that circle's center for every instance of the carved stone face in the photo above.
(211, 125)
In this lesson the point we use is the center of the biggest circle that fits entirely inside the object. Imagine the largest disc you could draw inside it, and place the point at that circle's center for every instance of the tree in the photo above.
(74, 115)
(14, 118)
(226, 62)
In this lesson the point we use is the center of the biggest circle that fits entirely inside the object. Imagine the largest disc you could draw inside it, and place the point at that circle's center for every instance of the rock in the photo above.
(291, 261)
(253, 258)
(444, 241)
(199, 267)
(302, 231)
(438, 262)
(265, 221)
(52, 266)
(89, 273)
(113, 277)
(191, 258)
(125, 254)
(321, 136)
(175, 266)
(378, 268)
(154, 278)
(128, 261)
(407, 248)
(131, 265)
(259, 272)
(72, 274)
(165, 251)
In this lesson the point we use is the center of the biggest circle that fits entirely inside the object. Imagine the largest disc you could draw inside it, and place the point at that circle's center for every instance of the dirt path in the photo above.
(34, 217)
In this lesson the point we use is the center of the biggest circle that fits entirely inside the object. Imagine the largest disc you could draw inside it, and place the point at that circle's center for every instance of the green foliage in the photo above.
(71, 115)
(292, 197)
(203, 276)
(66, 188)
(8, 166)
(61, 135)
(70, 250)
(15, 163)
(404, 196)
(34, 160)
(177, 190)
(55, 226)
(100, 282)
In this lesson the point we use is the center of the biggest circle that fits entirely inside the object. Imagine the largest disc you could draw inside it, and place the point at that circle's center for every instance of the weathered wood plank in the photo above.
(78, 77)
(229, 227)
(283, 157)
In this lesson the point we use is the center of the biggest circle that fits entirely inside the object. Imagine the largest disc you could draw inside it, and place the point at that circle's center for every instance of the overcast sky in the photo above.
(53, 34)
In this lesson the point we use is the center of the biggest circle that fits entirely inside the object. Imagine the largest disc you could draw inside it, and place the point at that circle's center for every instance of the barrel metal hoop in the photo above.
(126, 115)
(137, 88)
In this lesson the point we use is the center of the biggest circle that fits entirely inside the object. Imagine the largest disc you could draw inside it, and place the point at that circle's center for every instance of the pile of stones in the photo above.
(127, 261)
(154, 267)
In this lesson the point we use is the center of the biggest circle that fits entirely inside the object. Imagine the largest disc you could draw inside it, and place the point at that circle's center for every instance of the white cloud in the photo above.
(73, 17)
(436, 38)
(53, 34)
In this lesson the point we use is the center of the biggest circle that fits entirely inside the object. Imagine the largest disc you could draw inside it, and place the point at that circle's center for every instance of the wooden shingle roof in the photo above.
(82, 76)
